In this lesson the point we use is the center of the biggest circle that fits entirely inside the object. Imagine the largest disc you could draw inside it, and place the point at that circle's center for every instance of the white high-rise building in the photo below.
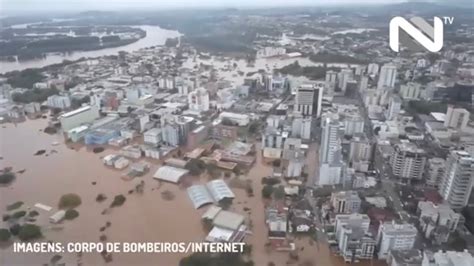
(331, 80)
(344, 77)
(410, 91)
(84, 115)
(359, 70)
(458, 178)
(353, 237)
(437, 167)
(360, 148)
(308, 99)
(373, 69)
(393, 236)
(331, 173)
(408, 161)
(331, 170)
(330, 139)
(394, 107)
(353, 124)
(301, 127)
(364, 83)
(456, 118)
(388, 76)
(198, 100)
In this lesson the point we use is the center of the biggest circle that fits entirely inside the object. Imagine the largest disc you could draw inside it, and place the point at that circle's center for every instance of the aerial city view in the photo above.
(237, 133)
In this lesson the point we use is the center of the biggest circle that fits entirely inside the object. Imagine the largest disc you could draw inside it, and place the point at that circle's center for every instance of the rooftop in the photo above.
(228, 220)
(170, 174)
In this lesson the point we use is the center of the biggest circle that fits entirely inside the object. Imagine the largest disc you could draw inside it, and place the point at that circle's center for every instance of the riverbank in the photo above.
(154, 36)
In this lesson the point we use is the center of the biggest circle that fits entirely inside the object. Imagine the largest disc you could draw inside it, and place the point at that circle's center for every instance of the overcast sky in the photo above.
(11, 7)
(7, 6)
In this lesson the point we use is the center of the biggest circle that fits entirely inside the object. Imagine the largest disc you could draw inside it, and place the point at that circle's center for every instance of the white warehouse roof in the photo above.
(199, 195)
(228, 220)
(170, 174)
(219, 190)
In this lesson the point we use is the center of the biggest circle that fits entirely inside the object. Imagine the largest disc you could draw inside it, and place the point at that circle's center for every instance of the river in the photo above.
(154, 36)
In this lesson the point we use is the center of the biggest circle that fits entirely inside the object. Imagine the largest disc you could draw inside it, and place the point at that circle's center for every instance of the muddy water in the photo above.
(315, 254)
(143, 218)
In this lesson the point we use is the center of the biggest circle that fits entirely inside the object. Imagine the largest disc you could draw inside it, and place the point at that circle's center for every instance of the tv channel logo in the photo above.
(431, 37)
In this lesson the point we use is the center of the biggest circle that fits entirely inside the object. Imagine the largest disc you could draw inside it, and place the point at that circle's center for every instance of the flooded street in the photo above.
(143, 218)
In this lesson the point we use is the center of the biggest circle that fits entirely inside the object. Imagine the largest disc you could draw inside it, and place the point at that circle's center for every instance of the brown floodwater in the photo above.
(143, 218)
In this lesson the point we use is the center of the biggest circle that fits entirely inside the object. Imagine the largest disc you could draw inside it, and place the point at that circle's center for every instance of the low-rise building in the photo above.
(393, 236)
(447, 258)
(410, 257)
(353, 237)
(346, 201)
(80, 116)
(437, 221)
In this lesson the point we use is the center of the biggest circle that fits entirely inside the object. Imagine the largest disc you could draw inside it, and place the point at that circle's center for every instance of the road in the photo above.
(382, 166)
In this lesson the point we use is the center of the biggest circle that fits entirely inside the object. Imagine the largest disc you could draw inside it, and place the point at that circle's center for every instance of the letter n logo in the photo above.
(418, 33)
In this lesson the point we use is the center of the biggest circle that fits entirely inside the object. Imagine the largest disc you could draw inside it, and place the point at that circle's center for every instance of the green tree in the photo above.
(4, 235)
(71, 214)
(119, 200)
(33, 213)
(14, 206)
(6, 178)
(69, 201)
(15, 229)
(279, 193)
(267, 191)
(29, 232)
(195, 166)
(18, 214)
(25, 78)
(33, 95)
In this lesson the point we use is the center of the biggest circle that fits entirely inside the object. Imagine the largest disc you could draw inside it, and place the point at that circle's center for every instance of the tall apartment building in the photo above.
(360, 148)
(373, 69)
(353, 237)
(301, 127)
(331, 80)
(436, 169)
(393, 236)
(198, 100)
(408, 161)
(456, 118)
(80, 116)
(388, 76)
(331, 165)
(175, 130)
(344, 77)
(346, 201)
(394, 107)
(364, 83)
(353, 124)
(308, 100)
(437, 221)
(410, 91)
(330, 139)
(458, 178)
